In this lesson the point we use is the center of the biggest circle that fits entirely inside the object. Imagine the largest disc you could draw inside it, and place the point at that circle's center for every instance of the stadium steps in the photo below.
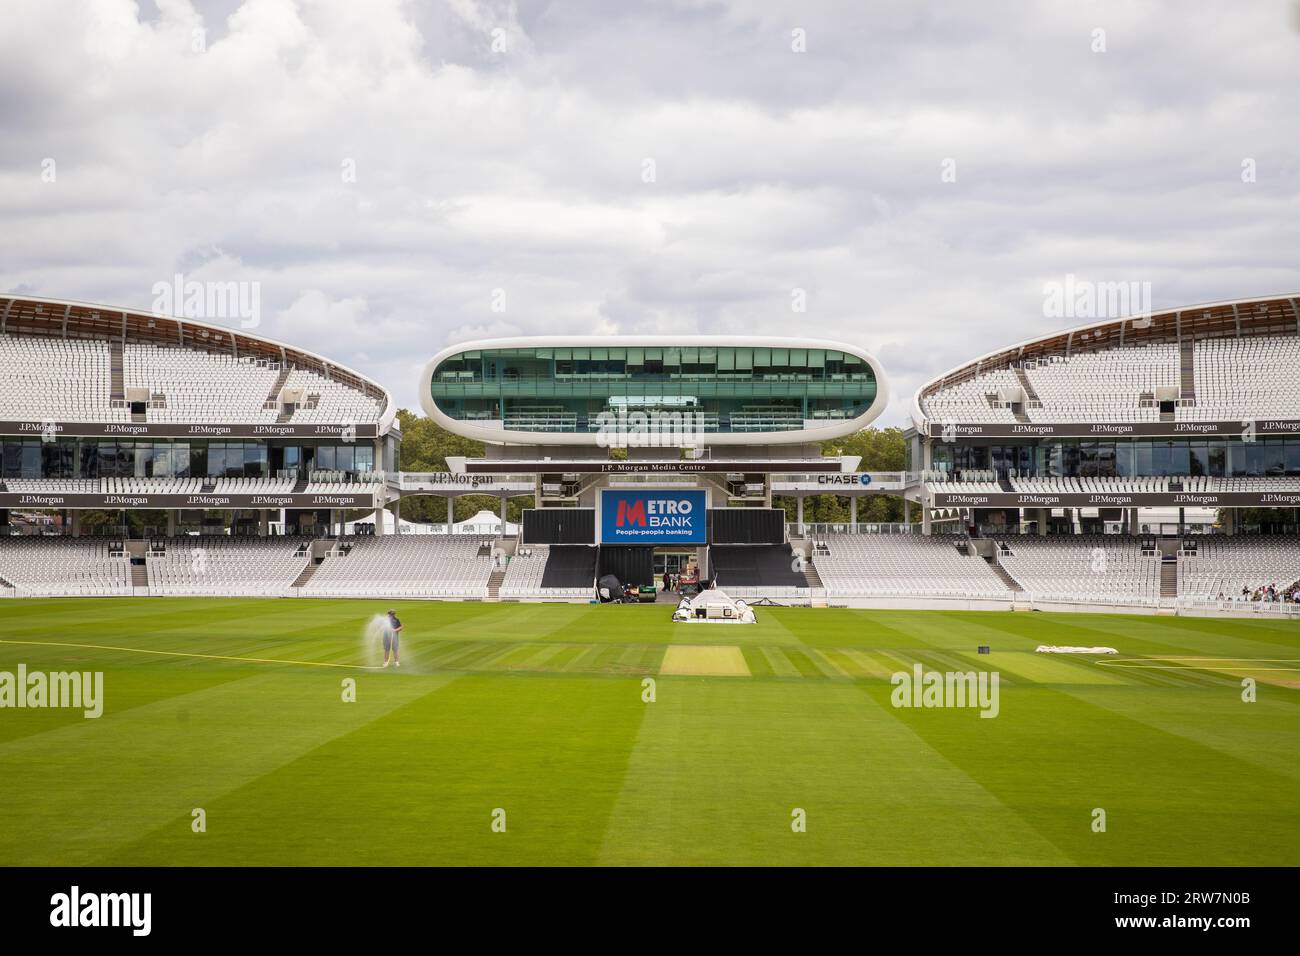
(139, 575)
(1187, 378)
(116, 387)
(1023, 378)
(1012, 584)
(494, 584)
(273, 397)
(1169, 579)
(813, 581)
(1031, 396)
(307, 573)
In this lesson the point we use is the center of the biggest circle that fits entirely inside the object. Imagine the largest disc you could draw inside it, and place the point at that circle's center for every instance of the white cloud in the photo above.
(477, 169)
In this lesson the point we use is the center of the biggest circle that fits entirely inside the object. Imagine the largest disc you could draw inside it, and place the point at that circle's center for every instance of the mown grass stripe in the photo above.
(756, 660)
(779, 663)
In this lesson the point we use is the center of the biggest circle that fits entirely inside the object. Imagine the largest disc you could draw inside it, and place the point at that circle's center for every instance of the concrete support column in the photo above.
(334, 517)
(1044, 517)
(171, 523)
(76, 523)
(262, 522)
(397, 516)
(504, 512)
(381, 515)
(926, 526)
(907, 511)
(853, 511)
(799, 520)
(451, 514)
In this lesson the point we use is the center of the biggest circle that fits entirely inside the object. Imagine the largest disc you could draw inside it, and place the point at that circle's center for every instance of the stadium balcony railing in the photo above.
(1263, 608)
(814, 529)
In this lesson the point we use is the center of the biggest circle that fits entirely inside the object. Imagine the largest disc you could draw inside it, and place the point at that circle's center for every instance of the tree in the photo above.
(426, 446)
(881, 449)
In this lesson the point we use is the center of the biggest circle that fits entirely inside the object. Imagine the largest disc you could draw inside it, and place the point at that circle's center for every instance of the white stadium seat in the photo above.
(1098, 569)
(216, 565)
(904, 565)
(58, 567)
(425, 565)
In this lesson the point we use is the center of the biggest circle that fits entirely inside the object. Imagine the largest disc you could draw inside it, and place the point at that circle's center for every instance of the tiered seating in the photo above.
(53, 486)
(1243, 484)
(246, 567)
(1253, 377)
(1103, 386)
(911, 566)
(1224, 565)
(425, 565)
(199, 386)
(968, 401)
(1104, 569)
(1148, 485)
(765, 418)
(153, 486)
(559, 573)
(1131, 486)
(252, 486)
(56, 380)
(335, 487)
(74, 567)
(967, 482)
(333, 401)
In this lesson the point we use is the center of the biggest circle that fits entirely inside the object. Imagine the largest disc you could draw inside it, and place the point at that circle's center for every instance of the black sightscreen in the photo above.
(559, 526)
(755, 565)
(633, 565)
(571, 566)
(746, 526)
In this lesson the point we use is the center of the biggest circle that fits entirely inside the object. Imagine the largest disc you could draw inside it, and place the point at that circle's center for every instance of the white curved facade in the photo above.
(21, 314)
(495, 433)
(1266, 318)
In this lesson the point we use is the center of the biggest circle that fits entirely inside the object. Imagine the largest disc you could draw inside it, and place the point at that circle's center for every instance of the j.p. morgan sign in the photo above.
(949, 431)
(1168, 499)
(45, 499)
(51, 429)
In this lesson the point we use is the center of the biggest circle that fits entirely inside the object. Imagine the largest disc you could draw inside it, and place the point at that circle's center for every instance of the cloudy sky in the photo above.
(401, 175)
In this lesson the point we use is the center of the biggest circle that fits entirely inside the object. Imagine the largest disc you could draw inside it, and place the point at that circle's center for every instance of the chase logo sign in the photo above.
(653, 517)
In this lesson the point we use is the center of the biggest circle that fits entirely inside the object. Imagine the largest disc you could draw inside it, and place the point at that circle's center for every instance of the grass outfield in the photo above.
(538, 709)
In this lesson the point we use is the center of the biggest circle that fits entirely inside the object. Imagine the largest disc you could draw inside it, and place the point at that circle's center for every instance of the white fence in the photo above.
(797, 530)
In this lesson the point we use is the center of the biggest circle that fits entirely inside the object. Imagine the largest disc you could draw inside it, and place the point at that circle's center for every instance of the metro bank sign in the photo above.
(654, 516)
